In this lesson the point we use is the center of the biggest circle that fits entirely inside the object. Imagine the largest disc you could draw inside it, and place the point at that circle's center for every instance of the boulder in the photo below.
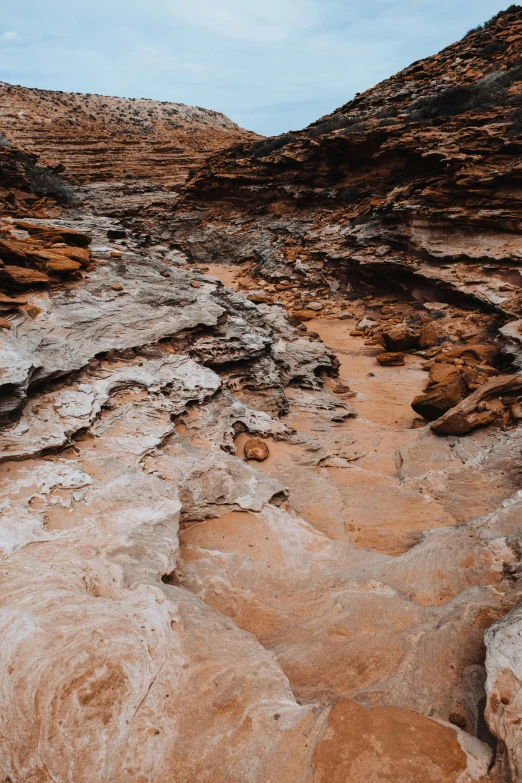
(69, 235)
(442, 372)
(430, 334)
(477, 410)
(53, 262)
(395, 359)
(441, 398)
(12, 252)
(400, 338)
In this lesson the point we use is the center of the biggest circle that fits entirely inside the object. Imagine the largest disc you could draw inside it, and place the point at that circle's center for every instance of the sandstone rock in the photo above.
(400, 338)
(256, 449)
(257, 297)
(442, 372)
(21, 277)
(362, 746)
(441, 398)
(12, 252)
(304, 315)
(70, 235)
(468, 414)
(504, 668)
(58, 264)
(392, 359)
(80, 254)
(5, 324)
(430, 334)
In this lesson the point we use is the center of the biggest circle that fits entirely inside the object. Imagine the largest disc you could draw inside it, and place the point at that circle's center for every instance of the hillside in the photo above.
(99, 139)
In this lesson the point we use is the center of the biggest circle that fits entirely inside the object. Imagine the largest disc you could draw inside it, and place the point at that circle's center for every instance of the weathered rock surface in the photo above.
(96, 138)
(228, 551)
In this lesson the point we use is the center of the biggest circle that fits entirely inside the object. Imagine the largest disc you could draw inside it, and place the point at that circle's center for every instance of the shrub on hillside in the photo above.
(513, 8)
(488, 92)
(45, 182)
(510, 10)
(263, 148)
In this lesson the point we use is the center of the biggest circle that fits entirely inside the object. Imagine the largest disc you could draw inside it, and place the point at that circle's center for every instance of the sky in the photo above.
(270, 65)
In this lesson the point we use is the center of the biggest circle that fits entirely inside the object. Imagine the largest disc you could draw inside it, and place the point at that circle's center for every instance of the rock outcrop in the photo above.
(230, 552)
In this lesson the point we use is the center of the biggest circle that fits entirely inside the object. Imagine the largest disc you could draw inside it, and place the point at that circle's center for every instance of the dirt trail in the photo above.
(343, 476)
(367, 583)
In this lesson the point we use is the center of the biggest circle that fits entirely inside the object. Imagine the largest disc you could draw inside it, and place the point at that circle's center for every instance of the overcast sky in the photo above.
(270, 65)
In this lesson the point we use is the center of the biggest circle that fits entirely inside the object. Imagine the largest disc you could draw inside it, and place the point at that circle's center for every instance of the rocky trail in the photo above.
(319, 601)
(260, 442)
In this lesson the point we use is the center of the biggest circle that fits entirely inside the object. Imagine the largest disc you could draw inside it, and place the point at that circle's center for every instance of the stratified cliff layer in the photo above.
(97, 138)
(418, 178)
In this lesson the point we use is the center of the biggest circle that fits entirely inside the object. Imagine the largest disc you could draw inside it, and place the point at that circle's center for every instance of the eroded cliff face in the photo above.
(128, 156)
(270, 531)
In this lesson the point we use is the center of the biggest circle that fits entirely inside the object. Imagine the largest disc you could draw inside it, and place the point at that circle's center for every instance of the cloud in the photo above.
(249, 20)
(9, 35)
(166, 61)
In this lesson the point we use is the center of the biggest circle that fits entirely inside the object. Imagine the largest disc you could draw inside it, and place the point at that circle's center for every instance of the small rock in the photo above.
(315, 306)
(5, 324)
(304, 315)
(430, 334)
(255, 448)
(391, 359)
(117, 287)
(115, 254)
(341, 388)
(356, 333)
(258, 297)
(400, 338)
(195, 284)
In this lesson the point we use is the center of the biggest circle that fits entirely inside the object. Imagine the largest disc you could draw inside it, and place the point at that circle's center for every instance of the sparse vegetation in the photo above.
(45, 182)
(263, 148)
(488, 92)
(513, 8)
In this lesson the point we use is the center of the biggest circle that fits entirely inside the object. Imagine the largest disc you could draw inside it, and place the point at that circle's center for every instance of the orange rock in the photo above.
(57, 263)
(304, 315)
(391, 359)
(400, 338)
(20, 276)
(5, 324)
(386, 744)
(440, 398)
(256, 449)
(80, 254)
(195, 284)
(430, 334)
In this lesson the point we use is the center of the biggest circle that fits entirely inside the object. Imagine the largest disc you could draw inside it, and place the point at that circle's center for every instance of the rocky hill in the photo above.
(268, 531)
(96, 138)
(417, 178)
